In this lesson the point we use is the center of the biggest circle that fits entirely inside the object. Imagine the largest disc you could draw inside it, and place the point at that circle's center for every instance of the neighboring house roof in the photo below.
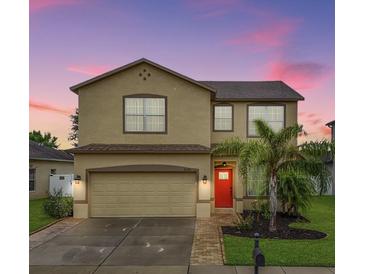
(139, 61)
(38, 151)
(330, 124)
(142, 148)
(223, 90)
(253, 90)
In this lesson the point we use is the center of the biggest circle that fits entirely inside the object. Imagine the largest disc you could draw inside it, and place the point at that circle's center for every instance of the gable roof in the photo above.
(38, 151)
(139, 61)
(141, 148)
(222, 90)
(253, 90)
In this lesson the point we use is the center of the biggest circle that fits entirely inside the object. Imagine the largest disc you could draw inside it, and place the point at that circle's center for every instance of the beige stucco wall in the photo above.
(87, 161)
(43, 169)
(240, 119)
(101, 113)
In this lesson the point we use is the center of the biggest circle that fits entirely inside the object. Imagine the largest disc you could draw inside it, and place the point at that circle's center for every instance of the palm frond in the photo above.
(230, 147)
(264, 131)
(295, 190)
(324, 149)
(253, 154)
(287, 134)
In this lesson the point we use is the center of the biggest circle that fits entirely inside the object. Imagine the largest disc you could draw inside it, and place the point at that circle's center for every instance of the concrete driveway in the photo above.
(117, 242)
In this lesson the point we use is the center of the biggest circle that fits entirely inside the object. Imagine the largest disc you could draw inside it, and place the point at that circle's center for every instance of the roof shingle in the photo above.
(253, 90)
(140, 148)
(40, 152)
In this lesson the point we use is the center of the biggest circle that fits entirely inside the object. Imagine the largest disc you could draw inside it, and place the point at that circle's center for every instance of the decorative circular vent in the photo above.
(144, 74)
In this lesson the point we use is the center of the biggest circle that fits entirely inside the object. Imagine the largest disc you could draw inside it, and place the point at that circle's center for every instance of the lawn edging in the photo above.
(47, 225)
(221, 238)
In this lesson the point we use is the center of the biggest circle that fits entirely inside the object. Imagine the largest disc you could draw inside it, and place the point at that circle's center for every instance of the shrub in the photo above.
(245, 223)
(265, 210)
(294, 191)
(59, 206)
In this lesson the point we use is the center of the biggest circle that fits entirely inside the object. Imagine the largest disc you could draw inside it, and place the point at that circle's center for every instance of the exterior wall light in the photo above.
(77, 179)
(205, 179)
(224, 164)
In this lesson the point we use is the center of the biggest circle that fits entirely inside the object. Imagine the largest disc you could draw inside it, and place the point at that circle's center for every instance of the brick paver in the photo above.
(208, 242)
(52, 231)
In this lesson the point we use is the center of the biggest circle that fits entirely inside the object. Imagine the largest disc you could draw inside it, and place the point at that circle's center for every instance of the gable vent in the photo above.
(144, 74)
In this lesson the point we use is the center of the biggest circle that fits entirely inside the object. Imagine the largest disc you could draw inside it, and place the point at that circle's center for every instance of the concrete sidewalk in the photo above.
(192, 269)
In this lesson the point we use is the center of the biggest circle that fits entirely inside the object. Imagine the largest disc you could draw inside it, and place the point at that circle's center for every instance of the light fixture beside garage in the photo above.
(205, 179)
(77, 179)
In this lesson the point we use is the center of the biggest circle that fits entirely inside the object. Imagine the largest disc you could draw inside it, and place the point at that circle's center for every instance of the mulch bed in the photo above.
(282, 224)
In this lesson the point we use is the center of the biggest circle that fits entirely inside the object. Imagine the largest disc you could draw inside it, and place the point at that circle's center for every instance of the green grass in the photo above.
(37, 217)
(321, 252)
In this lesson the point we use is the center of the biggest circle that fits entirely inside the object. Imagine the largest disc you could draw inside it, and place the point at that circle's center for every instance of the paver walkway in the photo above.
(52, 231)
(208, 242)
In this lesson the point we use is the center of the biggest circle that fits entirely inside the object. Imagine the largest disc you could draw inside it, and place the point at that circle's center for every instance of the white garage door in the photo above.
(143, 194)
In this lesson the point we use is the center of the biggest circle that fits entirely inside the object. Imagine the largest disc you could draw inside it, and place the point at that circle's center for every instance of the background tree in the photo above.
(279, 158)
(74, 134)
(324, 150)
(46, 138)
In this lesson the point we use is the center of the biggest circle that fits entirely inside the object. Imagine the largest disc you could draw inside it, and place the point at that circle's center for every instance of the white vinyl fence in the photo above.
(61, 181)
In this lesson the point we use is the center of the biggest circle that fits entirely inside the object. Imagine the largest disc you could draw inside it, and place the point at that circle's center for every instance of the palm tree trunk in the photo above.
(273, 201)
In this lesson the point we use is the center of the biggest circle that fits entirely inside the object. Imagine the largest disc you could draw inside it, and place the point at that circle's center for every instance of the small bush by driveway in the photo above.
(37, 216)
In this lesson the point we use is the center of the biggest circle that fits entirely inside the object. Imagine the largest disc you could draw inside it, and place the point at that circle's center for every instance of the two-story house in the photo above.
(145, 139)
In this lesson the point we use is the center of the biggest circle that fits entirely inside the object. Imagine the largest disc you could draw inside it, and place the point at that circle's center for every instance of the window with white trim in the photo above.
(144, 114)
(273, 115)
(31, 179)
(256, 182)
(223, 118)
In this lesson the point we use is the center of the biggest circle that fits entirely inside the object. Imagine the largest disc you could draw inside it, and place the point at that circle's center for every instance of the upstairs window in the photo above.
(144, 114)
(223, 118)
(273, 115)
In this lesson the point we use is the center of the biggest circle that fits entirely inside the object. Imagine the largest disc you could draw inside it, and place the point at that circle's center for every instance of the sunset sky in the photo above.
(74, 40)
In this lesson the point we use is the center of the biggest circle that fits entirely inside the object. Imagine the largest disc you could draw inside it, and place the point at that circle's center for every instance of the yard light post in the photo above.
(257, 255)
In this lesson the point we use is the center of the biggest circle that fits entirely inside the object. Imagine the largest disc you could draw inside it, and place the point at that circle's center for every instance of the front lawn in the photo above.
(321, 252)
(37, 217)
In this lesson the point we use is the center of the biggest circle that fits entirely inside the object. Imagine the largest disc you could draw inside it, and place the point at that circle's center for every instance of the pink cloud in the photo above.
(48, 107)
(299, 75)
(311, 115)
(36, 5)
(315, 121)
(269, 36)
(324, 130)
(92, 70)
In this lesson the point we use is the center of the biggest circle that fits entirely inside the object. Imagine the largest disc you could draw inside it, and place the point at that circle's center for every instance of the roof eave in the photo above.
(50, 159)
(76, 87)
(259, 99)
(140, 152)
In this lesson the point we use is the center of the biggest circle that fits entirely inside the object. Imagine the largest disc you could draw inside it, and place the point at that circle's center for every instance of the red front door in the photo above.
(223, 188)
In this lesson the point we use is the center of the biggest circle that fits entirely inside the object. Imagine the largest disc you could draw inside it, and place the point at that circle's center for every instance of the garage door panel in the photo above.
(143, 194)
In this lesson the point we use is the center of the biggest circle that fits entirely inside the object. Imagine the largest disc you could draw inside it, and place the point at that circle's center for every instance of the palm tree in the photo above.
(276, 154)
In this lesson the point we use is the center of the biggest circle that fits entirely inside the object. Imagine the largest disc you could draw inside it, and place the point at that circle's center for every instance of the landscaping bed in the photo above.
(284, 231)
(292, 252)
